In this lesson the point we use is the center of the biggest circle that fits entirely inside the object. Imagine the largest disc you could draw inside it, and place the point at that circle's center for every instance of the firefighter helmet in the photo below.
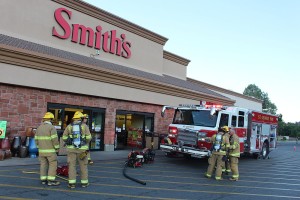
(48, 115)
(225, 129)
(77, 115)
(85, 116)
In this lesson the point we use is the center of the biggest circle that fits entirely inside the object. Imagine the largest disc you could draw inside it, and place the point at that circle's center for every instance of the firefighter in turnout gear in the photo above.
(46, 140)
(84, 121)
(220, 144)
(77, 137)
(234, 154)
(226, 167)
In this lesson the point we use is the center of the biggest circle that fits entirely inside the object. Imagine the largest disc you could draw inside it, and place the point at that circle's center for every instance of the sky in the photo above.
(230, 43)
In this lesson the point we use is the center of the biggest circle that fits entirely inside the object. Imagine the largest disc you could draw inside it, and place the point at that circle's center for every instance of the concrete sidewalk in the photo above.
(95, 155)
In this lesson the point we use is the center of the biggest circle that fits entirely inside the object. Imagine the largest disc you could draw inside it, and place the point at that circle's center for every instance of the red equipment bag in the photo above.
(63, 170)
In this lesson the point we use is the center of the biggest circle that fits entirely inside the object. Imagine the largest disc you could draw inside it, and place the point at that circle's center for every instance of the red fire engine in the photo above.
(189, 133)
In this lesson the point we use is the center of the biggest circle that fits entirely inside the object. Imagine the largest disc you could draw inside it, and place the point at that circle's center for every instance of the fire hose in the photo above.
(33, 172)
(131, 178)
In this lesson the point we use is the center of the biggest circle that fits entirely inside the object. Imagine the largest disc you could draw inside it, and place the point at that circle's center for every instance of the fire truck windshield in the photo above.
(195, 117)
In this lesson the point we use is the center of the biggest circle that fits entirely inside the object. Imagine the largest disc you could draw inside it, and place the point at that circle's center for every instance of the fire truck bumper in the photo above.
(197, 153)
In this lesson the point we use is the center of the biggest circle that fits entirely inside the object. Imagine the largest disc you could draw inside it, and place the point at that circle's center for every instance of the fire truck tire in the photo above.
(265, 150)
(187, 156)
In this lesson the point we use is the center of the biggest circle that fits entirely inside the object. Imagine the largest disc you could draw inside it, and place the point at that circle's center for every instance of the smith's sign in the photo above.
(94, 38)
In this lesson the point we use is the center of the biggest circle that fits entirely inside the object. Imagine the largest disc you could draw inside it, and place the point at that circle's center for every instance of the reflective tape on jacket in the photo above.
(234, 154)
(84, 147)
(47, 150)
(45, 137)
(88, 136)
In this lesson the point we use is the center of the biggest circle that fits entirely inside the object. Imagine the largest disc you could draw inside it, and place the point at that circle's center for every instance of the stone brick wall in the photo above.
(23, 107)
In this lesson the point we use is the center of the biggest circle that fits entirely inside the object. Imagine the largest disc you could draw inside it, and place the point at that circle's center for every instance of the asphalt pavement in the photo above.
(166, 179)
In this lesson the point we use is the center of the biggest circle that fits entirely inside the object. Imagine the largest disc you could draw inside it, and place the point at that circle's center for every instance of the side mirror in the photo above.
(212, 111)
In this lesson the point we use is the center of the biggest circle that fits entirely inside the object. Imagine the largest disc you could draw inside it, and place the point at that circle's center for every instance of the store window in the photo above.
(63, 115)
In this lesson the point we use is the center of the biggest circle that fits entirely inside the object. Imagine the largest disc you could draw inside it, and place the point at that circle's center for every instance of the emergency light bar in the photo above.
(189, 105)
(210, 105)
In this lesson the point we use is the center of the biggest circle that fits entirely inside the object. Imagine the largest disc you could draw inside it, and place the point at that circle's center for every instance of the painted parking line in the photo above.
(185, 183)
(150, 197)
(266, 175)
(86, 192)
(14, 198)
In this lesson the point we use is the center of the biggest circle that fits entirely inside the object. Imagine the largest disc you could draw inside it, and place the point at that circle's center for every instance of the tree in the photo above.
(254, 91)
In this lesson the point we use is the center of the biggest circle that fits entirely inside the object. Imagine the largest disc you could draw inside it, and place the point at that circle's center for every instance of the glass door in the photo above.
(96, 125)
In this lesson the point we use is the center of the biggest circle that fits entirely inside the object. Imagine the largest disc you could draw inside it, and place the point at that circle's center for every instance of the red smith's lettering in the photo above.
(107, 41)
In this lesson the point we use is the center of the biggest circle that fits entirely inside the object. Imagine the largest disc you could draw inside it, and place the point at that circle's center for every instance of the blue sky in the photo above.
(231, 43)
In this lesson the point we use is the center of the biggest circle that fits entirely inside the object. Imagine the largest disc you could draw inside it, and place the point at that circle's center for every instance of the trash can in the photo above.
(149, 136)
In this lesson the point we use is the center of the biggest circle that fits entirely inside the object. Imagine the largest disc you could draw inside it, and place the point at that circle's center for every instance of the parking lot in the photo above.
(166, 178)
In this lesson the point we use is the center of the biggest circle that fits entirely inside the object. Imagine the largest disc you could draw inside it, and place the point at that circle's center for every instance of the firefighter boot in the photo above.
(72, 186)
(53, 183)
(84, 185)
(90, 162)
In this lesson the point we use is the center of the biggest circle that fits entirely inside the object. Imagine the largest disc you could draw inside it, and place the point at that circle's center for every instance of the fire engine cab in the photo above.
(193, 126)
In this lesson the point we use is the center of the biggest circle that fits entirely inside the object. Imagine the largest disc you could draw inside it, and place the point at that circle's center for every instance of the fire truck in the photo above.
(193, 125)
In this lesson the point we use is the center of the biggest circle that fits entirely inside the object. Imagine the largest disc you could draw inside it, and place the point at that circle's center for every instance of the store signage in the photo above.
(107, 41)
(2, 129)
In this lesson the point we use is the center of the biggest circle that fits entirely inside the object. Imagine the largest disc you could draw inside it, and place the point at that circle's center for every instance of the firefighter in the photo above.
(226, 167)
(77, 137)
(84, 121)
(46, 140)
(234, 154)
(220, 144)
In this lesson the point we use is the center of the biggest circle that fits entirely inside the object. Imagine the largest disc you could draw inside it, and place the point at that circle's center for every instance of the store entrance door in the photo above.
(130, 129)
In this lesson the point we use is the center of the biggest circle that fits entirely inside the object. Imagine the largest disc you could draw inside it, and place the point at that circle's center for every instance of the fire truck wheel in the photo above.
(265, 150)
(187, 156)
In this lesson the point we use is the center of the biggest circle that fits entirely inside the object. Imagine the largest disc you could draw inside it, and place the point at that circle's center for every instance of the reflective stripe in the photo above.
(208, 175)
(218, 178)
(56, 146)
(43, 178)
(42, 138)
(54, 136)
(234, 154)
(233, 146)
(235, 176)
(47, 150)
(88, 136)
(51, 178)
(82, 147)
(72, 181)
(84, 181)
(65, 137)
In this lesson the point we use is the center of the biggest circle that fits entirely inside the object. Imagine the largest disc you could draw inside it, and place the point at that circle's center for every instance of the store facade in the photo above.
(64, 56)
